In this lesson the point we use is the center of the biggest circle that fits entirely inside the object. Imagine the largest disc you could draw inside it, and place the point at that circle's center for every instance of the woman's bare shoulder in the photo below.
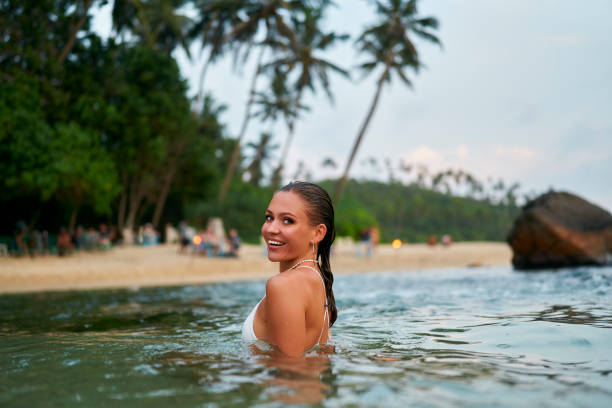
(293, 281)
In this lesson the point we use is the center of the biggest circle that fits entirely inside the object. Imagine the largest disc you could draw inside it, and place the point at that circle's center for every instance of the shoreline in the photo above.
(163, 265)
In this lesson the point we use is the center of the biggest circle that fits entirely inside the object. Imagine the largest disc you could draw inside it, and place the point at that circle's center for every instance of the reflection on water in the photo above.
(568, 314)
(489, 337)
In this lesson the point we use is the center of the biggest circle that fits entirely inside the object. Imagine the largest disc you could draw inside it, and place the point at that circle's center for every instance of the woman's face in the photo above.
(287, 230)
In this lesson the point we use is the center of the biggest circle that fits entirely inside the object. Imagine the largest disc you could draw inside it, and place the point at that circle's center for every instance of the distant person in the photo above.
(45, 242)
(446, 240)
(79, 238)
(92, 239)
(374, 238)
(184, 236)
(113, 236)
(365, 238)
(431, 240)
(211, 240)
(64, 242)
(201, 244)
(21, 238)
(298, 308)
(36, 242)
(171, 235)
(234, 243)
(149, 235)
(104, 237)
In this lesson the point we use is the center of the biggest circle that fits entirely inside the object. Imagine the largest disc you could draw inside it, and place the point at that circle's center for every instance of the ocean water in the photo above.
(480, 337)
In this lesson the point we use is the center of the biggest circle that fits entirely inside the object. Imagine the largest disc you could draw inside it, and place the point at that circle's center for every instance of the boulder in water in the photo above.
(560, 229)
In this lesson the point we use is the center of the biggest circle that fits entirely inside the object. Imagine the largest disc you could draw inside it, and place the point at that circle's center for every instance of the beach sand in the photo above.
(134, 267)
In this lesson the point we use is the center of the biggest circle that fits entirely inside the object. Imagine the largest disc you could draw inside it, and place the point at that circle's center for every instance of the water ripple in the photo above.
(467, 337)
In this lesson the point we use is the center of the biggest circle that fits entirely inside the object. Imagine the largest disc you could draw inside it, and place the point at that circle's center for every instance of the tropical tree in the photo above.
(262, 153)
(389, 46)
(155, 23)
(216, 19)
(279, 100)
(82, 17)
(272, 15)
(303, 55)
(153, 128)
(46, 161)
(329, 162)
(39, 35)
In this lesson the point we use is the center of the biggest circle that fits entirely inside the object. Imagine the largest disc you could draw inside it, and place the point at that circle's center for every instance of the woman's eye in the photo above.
(268, 218)
(288, 221)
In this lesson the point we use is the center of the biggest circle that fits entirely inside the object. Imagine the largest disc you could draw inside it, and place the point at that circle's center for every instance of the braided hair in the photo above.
(319, 210)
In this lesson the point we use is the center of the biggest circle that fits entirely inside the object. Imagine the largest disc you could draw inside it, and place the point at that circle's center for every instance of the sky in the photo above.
(520, 90)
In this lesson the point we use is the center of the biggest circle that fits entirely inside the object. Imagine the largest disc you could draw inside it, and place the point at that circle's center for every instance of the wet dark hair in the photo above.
(320, 210)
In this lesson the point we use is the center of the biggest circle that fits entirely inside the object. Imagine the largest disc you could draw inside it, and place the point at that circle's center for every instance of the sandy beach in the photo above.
(134, 267)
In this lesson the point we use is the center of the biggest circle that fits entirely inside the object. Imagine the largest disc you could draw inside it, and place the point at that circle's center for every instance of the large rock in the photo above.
(560, 229)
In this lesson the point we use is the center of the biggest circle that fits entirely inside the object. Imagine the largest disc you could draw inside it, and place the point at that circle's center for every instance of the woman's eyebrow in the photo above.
(284, 213)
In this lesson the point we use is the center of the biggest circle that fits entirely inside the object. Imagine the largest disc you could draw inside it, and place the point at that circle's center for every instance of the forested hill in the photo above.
(412, 213)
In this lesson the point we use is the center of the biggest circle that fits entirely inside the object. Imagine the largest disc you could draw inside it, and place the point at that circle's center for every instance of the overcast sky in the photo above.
(520, 90)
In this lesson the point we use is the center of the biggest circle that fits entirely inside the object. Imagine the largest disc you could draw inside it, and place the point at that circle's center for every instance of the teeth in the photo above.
(275, 243)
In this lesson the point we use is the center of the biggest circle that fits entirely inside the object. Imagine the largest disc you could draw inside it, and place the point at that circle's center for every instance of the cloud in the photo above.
(510, 162)
(571, 40)
(424, 155)
(514, 153)
(462, 151)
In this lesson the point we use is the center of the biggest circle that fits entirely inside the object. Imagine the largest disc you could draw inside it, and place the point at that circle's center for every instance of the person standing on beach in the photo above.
(298, 308)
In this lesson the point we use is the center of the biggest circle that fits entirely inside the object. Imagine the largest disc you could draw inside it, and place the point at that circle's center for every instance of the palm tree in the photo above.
(388, 44)
(74, 30)
(216, 19)
(263, 151)
(270, 14)
(155, 23)
(302, 54)
(280, 100)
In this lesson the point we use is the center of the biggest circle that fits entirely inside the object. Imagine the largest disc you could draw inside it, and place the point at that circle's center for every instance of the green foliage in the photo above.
(41, 160)
(85, 171)
(412, 213)
(352, 218)
(113, 118)
(25, 136)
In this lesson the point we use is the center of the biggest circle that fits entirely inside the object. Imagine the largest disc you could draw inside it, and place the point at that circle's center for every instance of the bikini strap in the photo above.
(318, 273)
(325, 315)
(323, 327)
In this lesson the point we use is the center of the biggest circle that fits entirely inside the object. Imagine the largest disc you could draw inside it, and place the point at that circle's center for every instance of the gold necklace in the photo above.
(301, 262)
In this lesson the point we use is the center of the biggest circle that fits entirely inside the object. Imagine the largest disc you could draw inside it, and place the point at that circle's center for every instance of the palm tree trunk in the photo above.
(122, 205)
(231, 168)
(73, 219)
(161, 199)
(73, 34)
(136, 196)
(200, 96)
(364, 126)
(278, 173)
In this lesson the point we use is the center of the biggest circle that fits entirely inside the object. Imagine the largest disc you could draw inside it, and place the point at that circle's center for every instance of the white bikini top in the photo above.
(248, 333)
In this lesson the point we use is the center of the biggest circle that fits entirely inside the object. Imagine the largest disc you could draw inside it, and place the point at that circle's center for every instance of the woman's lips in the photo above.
(272, 243)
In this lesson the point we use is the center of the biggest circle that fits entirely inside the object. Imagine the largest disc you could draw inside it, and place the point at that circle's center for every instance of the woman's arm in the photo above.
(286, 314)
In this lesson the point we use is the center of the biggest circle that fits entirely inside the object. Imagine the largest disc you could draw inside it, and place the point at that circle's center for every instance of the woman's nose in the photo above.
(270, 227)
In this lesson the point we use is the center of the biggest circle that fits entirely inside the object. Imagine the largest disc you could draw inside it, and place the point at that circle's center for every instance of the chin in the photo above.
(274, 256)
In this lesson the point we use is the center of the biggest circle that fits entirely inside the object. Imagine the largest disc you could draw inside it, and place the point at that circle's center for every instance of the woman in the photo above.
(299, 306)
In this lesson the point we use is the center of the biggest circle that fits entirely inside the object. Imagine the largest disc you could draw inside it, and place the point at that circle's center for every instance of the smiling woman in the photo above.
(299, 306)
